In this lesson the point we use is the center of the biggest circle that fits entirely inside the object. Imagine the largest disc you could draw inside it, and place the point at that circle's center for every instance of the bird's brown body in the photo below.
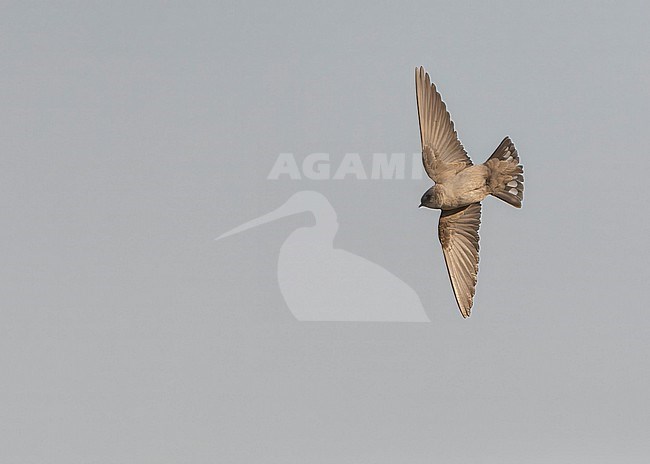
(460, 186)
(467, 187)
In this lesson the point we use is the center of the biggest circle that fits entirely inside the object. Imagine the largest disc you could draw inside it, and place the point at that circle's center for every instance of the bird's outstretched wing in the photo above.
(442, 153)
(458, 234)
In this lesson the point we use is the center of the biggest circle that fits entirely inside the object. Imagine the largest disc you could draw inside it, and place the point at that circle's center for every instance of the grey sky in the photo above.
(132, 134)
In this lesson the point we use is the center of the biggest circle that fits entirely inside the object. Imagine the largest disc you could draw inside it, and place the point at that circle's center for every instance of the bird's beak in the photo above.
(285, 210)
(421, 205)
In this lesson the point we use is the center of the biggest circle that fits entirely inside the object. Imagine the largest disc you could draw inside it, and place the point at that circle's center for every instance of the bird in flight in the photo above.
(459, 187)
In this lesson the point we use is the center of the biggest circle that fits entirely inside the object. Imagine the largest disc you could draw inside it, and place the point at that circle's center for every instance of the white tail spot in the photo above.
(512, 183)
(514, 191)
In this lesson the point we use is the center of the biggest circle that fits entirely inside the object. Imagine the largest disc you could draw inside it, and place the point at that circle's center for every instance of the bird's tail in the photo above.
(506, 179)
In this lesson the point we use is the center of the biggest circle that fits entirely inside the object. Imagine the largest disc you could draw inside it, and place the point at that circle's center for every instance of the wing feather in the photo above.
(458, 234)
(442, 153)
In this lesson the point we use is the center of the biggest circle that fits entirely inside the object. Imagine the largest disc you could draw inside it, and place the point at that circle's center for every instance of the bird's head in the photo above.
(430, 199)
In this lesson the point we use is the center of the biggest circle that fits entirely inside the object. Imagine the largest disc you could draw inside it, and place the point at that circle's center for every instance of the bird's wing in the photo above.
(442, 153)
(458, 234)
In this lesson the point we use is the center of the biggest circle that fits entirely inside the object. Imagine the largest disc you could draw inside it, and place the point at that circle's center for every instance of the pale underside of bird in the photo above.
(460, 187)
